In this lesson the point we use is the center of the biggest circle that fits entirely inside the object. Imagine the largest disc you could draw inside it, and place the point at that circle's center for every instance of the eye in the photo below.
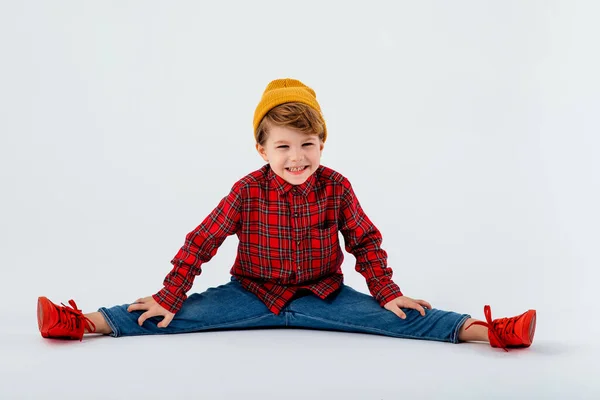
(307, 144)
(282, 146)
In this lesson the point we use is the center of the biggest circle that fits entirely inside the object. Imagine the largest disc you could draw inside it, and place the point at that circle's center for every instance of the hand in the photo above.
(153, 309)
(398, 303)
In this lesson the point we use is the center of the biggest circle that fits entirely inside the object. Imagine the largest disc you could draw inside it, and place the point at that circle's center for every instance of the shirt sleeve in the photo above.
(363, 240)
(200, 246)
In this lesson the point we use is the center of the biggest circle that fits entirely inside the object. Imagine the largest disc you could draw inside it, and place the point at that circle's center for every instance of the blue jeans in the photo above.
(230, 306)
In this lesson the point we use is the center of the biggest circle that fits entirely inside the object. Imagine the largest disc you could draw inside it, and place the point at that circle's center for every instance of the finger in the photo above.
(138, 301)
(144, 317)
(137, 307)
(166, 321)
(415, 305)
(420, 309)
(398, 311)
(424, 303)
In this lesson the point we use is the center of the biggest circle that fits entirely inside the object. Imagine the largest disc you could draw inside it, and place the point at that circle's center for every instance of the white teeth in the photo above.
(296, 169)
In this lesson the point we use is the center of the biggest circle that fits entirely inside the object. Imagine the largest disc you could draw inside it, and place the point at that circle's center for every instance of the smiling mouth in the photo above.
(296, 169)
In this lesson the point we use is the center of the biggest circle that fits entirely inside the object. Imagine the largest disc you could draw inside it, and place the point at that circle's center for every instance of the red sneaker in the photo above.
(62, 322)
(509, 332)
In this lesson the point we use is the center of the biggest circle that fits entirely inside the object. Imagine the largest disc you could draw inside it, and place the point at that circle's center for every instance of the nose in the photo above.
(296, 154)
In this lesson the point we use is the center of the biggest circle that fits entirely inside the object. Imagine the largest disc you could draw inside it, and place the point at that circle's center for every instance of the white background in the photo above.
(469, 130)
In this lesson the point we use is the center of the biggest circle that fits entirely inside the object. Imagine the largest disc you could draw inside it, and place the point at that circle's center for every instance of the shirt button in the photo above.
(296, 215)
(298, 242)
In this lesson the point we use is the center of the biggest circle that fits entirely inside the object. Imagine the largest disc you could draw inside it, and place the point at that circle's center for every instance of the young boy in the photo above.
(287, 272)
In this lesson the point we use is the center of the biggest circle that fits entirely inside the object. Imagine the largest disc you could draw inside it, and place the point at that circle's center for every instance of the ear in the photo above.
(321, 145)
(262, 152)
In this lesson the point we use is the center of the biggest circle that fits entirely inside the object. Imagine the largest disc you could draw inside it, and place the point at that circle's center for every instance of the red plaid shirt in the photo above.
(288, 240)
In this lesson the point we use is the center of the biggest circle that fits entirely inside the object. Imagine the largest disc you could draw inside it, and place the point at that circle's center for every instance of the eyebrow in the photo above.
(285, 142)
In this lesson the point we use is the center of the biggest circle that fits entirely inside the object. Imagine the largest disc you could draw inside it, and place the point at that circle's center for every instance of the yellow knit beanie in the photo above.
(282, 91)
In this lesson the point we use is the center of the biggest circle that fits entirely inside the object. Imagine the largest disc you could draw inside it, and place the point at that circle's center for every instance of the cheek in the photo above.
(277, 159)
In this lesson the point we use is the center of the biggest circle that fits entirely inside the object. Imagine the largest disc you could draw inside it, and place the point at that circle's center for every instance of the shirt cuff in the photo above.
(388, 293)
(168, 300)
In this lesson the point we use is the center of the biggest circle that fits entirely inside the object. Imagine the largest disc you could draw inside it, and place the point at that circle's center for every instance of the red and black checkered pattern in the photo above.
(288, 240)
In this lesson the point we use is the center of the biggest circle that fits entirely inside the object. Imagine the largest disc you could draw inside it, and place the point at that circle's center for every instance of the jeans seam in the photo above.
(223, 325)
(375, 330)
(116, 333)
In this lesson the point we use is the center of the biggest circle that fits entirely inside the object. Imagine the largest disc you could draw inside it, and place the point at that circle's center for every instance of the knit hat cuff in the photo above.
(273, 97)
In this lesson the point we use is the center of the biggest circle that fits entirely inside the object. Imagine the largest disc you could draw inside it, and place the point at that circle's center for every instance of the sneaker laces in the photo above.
(74, 319)
(500, 328)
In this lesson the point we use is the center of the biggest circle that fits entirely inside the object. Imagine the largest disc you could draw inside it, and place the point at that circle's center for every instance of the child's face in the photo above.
(287, 148)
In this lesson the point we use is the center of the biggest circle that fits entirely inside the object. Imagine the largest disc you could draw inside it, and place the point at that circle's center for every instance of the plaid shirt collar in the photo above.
(282, 186)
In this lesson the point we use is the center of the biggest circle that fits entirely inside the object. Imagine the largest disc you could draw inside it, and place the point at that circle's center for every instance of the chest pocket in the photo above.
(323, 242)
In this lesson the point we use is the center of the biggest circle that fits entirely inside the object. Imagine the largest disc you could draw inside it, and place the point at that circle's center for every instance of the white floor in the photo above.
(468, 132)
(289, 364)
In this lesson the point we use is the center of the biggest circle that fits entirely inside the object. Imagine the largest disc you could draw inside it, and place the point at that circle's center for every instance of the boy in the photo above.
(287, 272)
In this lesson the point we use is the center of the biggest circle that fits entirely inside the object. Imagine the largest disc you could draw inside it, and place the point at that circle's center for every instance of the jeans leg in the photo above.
(228, 306)
(351, 311)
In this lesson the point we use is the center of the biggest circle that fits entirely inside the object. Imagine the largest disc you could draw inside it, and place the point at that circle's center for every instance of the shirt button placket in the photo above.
(297, 223)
